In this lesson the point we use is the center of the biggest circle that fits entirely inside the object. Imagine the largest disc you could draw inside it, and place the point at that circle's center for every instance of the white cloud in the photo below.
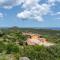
(32, 9)
(7, 7)
(29, 3)
(23, 15)
(36, 11)
(53, 1)
(1, 15)
(2, 1)
(38, 18)
(57, 13)
(8, 4)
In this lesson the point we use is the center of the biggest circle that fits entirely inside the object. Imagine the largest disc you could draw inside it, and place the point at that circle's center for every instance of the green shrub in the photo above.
(2, 46)
(41, 52)
(12, 48)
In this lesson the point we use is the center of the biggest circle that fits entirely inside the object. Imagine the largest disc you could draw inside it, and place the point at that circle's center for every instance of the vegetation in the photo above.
(12, 44)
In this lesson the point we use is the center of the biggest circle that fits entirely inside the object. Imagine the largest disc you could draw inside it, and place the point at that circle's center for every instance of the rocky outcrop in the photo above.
(36, 40)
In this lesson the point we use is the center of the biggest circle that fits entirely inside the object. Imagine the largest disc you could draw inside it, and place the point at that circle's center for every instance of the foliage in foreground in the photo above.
(11, 45)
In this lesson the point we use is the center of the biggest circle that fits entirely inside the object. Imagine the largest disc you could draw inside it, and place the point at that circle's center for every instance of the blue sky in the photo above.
(30, 13)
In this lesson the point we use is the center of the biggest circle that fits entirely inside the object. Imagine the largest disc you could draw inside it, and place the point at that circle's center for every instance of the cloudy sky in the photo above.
(30, 13)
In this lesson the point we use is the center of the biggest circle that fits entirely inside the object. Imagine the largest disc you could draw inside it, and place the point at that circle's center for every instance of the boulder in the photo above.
(24, 58)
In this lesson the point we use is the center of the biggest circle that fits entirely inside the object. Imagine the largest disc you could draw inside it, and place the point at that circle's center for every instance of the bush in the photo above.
(2, 46)
(41, 52)
(12, 48)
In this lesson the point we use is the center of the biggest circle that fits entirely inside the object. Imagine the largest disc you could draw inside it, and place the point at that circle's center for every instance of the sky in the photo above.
(30, 13)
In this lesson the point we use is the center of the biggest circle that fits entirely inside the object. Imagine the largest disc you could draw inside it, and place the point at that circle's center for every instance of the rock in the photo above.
(24, 58)
(33, 41)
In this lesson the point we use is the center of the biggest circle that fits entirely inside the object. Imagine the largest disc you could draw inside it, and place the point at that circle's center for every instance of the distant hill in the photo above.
(48, 28)
(54, 28)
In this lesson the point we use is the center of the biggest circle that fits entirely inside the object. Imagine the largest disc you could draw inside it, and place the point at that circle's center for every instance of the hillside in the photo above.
(13, 45)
